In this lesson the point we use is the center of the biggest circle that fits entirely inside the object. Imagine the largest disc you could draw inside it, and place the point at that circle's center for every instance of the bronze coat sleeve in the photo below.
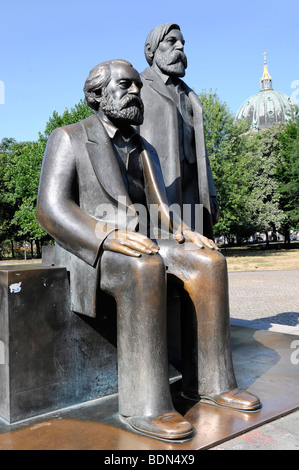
(57, 211)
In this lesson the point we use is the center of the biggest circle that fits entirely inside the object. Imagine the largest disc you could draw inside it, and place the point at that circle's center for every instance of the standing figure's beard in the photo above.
(130, 108)
(174, 63)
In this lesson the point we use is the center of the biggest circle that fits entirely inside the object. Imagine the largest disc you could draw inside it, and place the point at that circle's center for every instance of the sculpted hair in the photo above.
(98, 79)
(155, 37)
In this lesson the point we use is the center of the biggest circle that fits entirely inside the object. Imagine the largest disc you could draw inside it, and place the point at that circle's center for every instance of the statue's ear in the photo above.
(148, 52)
(96, 94)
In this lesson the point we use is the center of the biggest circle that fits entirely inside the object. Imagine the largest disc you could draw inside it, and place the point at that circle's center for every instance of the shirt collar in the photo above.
(163, 76)
(111, 129)
(168, 80)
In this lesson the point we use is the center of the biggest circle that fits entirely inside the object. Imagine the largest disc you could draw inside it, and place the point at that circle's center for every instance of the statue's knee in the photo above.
(208, 261)
(216, 259)
(118, 271)
(124, 266)
(219, 259)
(148, 265)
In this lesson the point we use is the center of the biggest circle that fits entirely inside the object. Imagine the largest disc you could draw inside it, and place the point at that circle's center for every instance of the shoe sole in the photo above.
(176, 438)
(210, 401)
(252, 409)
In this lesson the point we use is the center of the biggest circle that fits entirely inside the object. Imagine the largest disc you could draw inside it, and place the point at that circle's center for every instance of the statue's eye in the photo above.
(125, 84)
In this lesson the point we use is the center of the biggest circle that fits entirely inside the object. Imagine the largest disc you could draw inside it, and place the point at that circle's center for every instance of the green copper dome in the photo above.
(268, 107)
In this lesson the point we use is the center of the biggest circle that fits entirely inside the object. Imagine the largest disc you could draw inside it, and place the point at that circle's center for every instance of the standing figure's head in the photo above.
(114, 88)
(164, 49)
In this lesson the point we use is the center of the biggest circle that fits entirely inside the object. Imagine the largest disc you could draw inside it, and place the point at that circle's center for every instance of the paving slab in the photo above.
(265, 297)
(267, 300)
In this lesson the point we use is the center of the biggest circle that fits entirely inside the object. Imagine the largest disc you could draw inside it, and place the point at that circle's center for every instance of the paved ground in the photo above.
(281, 434)
(266, 300)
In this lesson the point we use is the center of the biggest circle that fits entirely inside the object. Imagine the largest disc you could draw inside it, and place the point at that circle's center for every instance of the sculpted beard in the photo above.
(128, 108)
(174, 63)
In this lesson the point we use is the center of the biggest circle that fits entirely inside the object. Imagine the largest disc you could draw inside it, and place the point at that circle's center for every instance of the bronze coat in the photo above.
(160, 128)
(79, 175)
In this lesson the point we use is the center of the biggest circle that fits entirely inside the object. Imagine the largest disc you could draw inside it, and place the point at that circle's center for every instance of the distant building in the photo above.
(267, 107)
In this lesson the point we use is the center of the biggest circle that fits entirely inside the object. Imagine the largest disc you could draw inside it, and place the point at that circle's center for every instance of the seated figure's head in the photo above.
(164, 49)
(114, 88)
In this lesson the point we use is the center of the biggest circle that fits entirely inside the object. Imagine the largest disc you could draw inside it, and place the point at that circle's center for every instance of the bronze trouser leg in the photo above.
(205, 323)
(139, 287)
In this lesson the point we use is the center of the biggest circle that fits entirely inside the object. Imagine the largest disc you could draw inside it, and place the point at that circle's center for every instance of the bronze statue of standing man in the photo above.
(173, 124)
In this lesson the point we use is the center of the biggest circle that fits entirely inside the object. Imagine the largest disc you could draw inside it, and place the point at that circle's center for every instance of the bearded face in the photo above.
(129, 108)
(173, 63)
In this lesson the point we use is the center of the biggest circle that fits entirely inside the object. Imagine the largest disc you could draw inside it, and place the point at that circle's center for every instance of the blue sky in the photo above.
(48, 48)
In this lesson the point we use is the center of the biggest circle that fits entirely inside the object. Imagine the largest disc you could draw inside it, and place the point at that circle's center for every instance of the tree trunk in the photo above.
(38, 249)
(287, 240)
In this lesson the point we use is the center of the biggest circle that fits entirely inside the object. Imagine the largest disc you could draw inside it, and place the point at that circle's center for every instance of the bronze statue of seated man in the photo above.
(94, 175)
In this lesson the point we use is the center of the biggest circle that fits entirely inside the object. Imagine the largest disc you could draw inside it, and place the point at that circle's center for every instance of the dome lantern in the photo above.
(266, 80)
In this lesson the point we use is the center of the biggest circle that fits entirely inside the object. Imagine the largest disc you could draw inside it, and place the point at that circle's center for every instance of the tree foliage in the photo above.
(23, 178)
(79, 112)
(225, 147)
(7, 208)
(264, 155)
(245, 168)
(20, 167)
(288, 174)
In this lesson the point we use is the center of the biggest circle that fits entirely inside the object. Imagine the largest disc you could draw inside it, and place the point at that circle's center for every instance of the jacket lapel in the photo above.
(103, 159)
(156, 83)
(107, 170)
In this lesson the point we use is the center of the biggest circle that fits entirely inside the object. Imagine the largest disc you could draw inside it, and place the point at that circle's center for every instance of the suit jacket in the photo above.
(160, 128)
(82, 198)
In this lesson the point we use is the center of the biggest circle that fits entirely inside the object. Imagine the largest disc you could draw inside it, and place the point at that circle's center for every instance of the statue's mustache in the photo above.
(178, 56)
(132, 101)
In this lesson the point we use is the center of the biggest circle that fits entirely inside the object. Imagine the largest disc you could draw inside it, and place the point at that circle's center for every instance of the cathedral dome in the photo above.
(267, 107)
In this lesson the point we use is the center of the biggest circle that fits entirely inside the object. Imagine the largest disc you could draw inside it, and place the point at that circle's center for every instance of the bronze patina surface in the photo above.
(173, 124)
(99, 183)
(262, 364)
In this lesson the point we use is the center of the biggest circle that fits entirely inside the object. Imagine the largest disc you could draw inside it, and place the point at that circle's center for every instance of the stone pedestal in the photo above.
(50, 358)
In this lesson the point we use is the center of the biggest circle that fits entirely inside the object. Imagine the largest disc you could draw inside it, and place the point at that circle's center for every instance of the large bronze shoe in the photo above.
(236, 399)
(169, 426)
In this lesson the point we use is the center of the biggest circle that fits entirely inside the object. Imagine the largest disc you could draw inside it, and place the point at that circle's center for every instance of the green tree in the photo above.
(235, 173)
(218, 122)
(288, 174)
(19, 179)
(244, 166)
(8, 231)
(225, 147)
(264, 156)
(23, 179)
(77, 113)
